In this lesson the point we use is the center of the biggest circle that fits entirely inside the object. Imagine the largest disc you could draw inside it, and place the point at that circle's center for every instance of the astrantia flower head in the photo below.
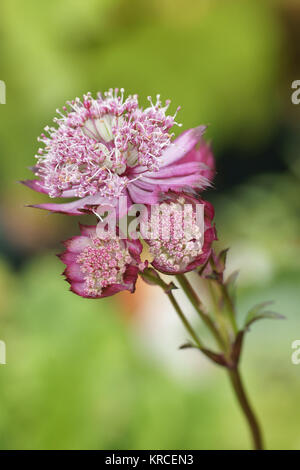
(98, 267)
(181, 243)
(98, 139)
(110, 146)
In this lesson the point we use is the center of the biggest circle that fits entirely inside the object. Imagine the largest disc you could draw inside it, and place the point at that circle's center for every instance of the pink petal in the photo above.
(135, 248)
(183, 144)
(115, 288)
(179, 182)
(77, 244)
(202, 153)
(69, 208)
(141, 196)
(130, 277)
(36, 185)
(79, 289)
(74, 273)
(87, 230)
(178, 169)
(74, 207)
(68, 257)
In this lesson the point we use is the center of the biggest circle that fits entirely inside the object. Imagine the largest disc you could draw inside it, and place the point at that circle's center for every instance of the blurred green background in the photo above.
(78, 375)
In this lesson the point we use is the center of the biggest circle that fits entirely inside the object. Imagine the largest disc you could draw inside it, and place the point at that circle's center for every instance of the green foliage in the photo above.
(258, 312)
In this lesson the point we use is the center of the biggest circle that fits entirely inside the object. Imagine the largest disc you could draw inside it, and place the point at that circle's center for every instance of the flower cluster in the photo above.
(102, 148)
(182, 243)
(99, 268)
(97, 140)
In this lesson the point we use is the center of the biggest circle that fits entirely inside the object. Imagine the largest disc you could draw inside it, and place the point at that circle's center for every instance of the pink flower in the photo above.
(203, 154)
(98, 268)
(181, 243)
(109, 147)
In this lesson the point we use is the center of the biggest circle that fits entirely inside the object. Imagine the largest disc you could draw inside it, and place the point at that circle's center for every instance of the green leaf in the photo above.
(258, 312)
(260, 307)
(213, 356)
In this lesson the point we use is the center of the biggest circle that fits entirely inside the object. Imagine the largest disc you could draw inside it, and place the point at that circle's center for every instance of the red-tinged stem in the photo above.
(243, 400)
(234, 374)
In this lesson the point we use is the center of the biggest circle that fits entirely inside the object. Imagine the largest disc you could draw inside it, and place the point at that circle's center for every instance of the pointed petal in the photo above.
(115, 288)
(74, 273)
(178, 182)
(135, 248)
(67, 257)
(36, 185)
(180, 169)
(183, 144)
(69, 208)
(77, 244)
(130, 277)
(203, 154)
(74, 207)
(79, 289)
(87, 230)
(141, 196)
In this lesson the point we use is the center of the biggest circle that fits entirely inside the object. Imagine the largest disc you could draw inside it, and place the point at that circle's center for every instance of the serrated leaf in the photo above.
(260, 307)
(260, 316)
(256, 310)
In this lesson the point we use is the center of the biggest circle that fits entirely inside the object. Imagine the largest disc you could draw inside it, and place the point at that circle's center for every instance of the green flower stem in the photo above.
(221, 321)
(230, 308)
(192, 296)
(184, 320)
(227, 299)
(167, 288)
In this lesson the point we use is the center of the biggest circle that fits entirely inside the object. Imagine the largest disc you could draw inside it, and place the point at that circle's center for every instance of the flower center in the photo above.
(178, 240)
(103, 263)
